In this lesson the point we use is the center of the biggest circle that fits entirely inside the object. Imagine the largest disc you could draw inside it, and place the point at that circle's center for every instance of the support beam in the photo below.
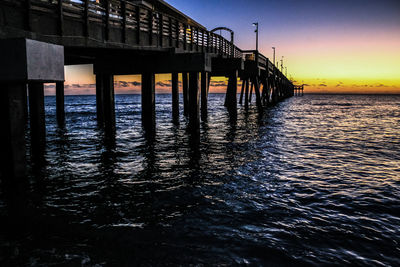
(185, 89)
(148, 102)
(204, 95)
(60, 103)
(175, 97)
(12, 134)
(37, 119)
(231, 93)
(194, 120)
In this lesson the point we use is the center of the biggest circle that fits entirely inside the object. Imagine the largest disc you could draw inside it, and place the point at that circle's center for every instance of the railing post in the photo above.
(123, 11)
(28, 15)
(170, 31)
(107, 26)
(150, 27)
(191, 38)
(184, 36)
(208, 41)
(138, 24)
(86, 18)
(178, 33)
(202, 41)
(60, 18)
(161, 29)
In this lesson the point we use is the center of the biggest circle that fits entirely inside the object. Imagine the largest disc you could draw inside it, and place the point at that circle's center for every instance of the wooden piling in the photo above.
(12, 134)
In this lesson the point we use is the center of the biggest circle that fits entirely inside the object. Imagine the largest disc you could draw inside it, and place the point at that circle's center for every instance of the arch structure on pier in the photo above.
(225, 29)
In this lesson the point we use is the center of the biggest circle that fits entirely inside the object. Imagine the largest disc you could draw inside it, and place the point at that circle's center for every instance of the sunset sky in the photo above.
(350, 46)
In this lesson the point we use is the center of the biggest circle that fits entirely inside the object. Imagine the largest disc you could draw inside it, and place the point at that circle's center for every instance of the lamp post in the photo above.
(282, 64)
(274, 54)
(256, 31)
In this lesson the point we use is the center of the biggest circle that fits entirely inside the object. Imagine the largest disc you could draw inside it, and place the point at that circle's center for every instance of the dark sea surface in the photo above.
(315, 180)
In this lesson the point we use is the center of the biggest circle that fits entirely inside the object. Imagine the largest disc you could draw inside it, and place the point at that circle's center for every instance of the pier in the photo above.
(39, 37)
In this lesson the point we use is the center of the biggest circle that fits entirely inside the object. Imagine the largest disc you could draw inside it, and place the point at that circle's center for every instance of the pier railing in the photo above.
(254, 55)
(120, 21)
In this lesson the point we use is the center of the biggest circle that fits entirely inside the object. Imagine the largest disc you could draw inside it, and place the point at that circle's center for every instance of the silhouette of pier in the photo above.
(39, 37)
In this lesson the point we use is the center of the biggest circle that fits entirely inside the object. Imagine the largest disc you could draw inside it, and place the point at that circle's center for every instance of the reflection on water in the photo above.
(313, 180)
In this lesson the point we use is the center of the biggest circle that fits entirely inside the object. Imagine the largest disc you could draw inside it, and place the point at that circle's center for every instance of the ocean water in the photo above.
(314, 180)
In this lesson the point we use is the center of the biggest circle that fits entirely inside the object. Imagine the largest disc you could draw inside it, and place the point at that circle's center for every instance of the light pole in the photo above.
(282, 64)
(256, 31)
(286, 71)
(274, 54)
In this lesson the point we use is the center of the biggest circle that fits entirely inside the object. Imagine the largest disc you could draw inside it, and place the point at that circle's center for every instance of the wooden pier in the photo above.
(119, 37)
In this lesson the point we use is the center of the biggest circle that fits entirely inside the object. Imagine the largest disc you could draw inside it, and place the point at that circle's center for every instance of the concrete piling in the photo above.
(60, 107)
(194, 119)
(231, 92)
(109, 102)
(204, 95)
(37, 118)
(12, 134)
(185, 96)
(99, 100)
(148, 102)
(175, 97)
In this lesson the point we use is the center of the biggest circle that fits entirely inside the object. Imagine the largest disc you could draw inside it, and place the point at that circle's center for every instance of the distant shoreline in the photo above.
(378, 94)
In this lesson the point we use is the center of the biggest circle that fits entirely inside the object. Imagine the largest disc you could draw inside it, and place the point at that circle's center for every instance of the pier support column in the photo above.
(246, 97)
(99, 100)
(148, 102)
(12, 134)
(205, 78)
(231, 92)
(185, 92)
(109, 102)
(175, 97)
(37, 119)
(194, 120)
(60, 103)
(257, 93)
(241, 92)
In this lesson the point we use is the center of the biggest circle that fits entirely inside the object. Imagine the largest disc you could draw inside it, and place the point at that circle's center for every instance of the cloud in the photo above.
(322, 84)
(218, 84)
(164, 84)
